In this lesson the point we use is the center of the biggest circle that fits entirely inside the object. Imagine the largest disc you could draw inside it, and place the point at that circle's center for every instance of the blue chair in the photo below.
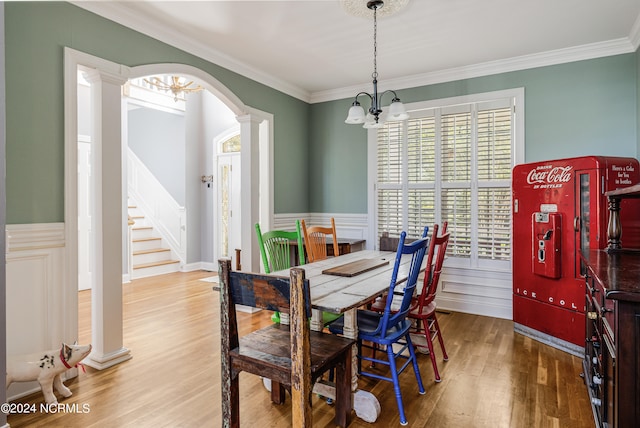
(392, 326)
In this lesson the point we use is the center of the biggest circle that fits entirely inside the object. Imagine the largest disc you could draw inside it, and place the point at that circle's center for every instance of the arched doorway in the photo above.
(107, 78)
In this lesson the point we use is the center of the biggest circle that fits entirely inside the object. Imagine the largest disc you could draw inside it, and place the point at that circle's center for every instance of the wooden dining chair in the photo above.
(423, 306)
(275, 248)
(391, 327)
(294, 357)
(315, 241)
(275, 251)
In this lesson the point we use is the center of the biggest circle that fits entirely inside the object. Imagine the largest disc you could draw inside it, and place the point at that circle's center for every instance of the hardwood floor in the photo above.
(494, 377)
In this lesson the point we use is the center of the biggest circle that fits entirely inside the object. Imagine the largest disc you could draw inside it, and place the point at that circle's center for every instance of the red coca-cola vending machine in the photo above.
(559, 209)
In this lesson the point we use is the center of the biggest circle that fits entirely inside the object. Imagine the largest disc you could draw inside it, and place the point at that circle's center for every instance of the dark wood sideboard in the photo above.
(612, 348)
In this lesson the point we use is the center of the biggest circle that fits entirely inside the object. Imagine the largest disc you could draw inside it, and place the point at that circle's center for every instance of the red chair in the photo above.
(423, 307)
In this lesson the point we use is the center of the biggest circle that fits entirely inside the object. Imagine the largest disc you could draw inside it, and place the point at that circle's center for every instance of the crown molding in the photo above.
(634, 35)
(118, 14)
(115, 12)
(559, 56)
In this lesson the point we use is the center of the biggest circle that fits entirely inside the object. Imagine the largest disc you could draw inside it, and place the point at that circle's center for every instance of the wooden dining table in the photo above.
(341, 285)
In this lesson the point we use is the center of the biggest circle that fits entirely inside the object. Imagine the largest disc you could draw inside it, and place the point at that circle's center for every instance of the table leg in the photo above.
(365, 403)
(316, 320)
(350, 330)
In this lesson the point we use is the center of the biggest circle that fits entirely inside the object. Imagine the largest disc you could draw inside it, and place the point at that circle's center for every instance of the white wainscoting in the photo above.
(475, 291)
(348, 226)
(37, 295)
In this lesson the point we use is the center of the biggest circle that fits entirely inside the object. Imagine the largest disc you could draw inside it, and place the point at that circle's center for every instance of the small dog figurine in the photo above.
(47, 369)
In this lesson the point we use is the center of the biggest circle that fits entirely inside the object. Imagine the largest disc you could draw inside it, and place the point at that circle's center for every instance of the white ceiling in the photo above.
(315, 51)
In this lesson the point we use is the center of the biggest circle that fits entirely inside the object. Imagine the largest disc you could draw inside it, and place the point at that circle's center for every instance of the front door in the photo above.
(228, 206)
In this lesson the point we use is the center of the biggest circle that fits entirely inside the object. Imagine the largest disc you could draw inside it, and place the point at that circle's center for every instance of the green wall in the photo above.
(581, 108)
(575, 109)
(35, 36)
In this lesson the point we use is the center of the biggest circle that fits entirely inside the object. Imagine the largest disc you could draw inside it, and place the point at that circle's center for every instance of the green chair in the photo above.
(275, 250)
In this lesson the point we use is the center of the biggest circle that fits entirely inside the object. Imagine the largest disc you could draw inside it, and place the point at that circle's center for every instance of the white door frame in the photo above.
(108, 77)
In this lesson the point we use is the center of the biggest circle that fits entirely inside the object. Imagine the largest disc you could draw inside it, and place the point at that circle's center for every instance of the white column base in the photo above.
(101, 362)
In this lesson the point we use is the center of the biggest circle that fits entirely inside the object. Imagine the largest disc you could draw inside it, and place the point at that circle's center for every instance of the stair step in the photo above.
(139, 216)
(162, 263)
(142, 228)
(150, 251)
(145, 243)
(150, 238)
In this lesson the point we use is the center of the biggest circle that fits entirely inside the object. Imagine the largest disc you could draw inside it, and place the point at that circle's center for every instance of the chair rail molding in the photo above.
(348, 226)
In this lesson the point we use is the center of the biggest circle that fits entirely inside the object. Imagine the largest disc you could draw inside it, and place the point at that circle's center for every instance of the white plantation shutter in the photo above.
(494, 182)
(451, 164)
(456, 165)
(421, 139)
(390, 178)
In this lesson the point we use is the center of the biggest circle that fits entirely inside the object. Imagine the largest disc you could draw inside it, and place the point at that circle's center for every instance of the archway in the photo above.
(106, 79)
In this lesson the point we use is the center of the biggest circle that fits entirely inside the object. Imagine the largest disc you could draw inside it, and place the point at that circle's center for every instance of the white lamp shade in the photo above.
(397, 111)
(370, 122)
(356, 115)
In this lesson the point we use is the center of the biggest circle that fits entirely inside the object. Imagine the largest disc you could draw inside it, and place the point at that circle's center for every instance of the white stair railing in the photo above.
(159, 208)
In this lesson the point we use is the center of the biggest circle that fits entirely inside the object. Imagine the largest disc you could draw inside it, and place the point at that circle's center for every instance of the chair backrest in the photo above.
(275, 248)
(269, 292)
(417, 249)
(277, 294)
(437, 251)
(315, 240)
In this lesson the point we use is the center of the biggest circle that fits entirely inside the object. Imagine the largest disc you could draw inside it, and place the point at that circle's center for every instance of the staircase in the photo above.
(149, 255)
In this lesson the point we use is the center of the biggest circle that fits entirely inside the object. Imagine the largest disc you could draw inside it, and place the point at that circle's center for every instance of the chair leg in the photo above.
(373, 354)
(231, 402)
(414, 359)
(277, 392)
(440, 339)
(343, 401)
(396, 384)
(432, 354)
(424, 349)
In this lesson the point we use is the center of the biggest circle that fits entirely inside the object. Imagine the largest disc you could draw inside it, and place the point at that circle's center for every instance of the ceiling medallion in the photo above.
(359, 8)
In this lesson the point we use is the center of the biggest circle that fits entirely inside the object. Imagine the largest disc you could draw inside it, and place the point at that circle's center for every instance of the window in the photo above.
(451, 161)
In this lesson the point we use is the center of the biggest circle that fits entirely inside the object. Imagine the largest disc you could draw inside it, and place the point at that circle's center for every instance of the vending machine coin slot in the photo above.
(546, 234)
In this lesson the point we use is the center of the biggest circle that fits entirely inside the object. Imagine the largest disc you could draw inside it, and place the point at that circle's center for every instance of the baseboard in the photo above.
(554, 342)
(192, 267)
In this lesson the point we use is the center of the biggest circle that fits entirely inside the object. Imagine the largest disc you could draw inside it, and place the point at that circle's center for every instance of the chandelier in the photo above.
(177, 85)
(396, 108)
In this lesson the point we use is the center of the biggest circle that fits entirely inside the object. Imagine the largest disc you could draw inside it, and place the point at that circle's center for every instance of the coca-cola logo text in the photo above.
(549, 176)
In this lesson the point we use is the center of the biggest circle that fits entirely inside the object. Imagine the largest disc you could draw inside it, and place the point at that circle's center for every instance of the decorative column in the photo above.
(250, 184)
(107, 221)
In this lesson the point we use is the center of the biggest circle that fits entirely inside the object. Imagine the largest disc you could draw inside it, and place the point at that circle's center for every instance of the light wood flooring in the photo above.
(494, 377)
